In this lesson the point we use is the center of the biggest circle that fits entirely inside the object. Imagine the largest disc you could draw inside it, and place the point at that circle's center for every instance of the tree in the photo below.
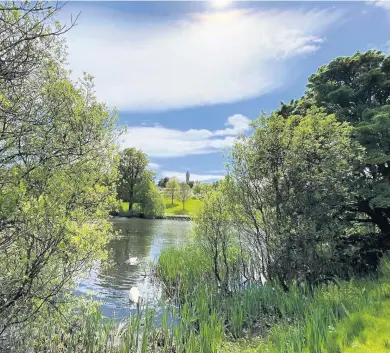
(215, 233)
(191, 184)
(357, 90)
(29, 35)
(132, 172)
(288, 184)
(172, 188)
(196, 188)
(216, 183)
(151, 202)
(57, 174)
(148, 177)
(184, 193)
(162, 183)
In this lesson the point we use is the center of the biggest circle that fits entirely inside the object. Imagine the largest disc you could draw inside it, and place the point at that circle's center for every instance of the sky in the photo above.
(188, 77)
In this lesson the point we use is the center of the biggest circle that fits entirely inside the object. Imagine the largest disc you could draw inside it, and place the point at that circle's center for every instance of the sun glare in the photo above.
(219, 4)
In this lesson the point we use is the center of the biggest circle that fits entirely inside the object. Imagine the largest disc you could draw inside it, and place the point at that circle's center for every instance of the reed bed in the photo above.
(260, 318)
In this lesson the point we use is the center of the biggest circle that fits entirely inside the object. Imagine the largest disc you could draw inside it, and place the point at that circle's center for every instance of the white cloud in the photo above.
(160, 142)
(216, 57)
(194, 177)
(153, 166)
(236, 124)
(385, 4)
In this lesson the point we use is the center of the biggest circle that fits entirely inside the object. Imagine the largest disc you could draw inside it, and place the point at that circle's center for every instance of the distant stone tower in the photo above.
(187, 177)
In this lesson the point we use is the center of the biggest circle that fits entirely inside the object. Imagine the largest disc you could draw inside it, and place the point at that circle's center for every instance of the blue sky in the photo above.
(187, 77)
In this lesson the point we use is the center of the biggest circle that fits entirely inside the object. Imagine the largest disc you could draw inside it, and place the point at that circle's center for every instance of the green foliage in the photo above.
(171, 189)
(192, 207)
(184, 193)
(136, 185)
(357, 90)
(364, 331)
(300, 320)
(151, 202)
(348, 86)
(202, 189)
(162, 183)
(58, 173)
(216, 235)
(373, 132)
(132, 172)
(181, 268)
(294, 187)
(196, 188)
(288, 183)
(342, 317)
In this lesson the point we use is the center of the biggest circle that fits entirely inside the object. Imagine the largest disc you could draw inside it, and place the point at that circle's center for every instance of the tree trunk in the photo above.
(216, 271)
(172, 198)
(377, 216)
(226, 281)
(131, 199)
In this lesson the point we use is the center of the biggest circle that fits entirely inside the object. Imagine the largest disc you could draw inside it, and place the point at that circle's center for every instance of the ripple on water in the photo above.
(139, 238)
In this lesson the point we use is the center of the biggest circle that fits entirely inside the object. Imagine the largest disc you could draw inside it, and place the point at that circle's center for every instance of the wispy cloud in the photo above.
(199, 177)
(201, 59)
(160, 142)
(385, 4)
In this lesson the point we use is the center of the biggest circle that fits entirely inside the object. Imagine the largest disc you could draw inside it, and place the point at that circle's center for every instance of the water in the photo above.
(139, 238)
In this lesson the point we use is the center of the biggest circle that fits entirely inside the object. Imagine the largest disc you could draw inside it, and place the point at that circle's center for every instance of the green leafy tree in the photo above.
(184, 193)
(215, 233)
(132, 168)
(357, 90)
(201, 190)
(57, 175)
(162, 183)
(205, 189)
(35, 33)
(289, 182)
(171, 189)
(148, 177)
(151, 201)
(196, 188)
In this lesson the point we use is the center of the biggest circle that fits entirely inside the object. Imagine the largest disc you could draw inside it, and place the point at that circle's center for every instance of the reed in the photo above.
(260, 318)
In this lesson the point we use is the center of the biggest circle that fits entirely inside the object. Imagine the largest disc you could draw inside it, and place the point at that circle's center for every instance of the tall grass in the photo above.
(300, 320)
(182, 271)
(205, 321)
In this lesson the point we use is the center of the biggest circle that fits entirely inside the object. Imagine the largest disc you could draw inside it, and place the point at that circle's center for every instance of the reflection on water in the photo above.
(139, 238)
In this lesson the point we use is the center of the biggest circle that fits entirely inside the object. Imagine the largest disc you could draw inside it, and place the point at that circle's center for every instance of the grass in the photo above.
(367, 330)
(191, 207)
(124, 206)
(344, 317)
(347, 317)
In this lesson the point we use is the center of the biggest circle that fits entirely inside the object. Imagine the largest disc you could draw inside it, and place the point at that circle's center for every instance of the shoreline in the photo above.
(169, 217)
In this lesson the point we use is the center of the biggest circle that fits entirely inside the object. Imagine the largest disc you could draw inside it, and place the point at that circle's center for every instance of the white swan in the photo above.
(132, 261)
(135, 295)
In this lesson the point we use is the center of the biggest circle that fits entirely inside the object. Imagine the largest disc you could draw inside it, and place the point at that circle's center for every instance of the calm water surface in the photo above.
(139, 238)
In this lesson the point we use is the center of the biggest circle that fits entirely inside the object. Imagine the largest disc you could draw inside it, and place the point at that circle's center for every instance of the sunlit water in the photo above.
(139, 238)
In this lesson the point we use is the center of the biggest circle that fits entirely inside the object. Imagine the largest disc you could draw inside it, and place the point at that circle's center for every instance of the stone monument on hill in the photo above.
(187, 177)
